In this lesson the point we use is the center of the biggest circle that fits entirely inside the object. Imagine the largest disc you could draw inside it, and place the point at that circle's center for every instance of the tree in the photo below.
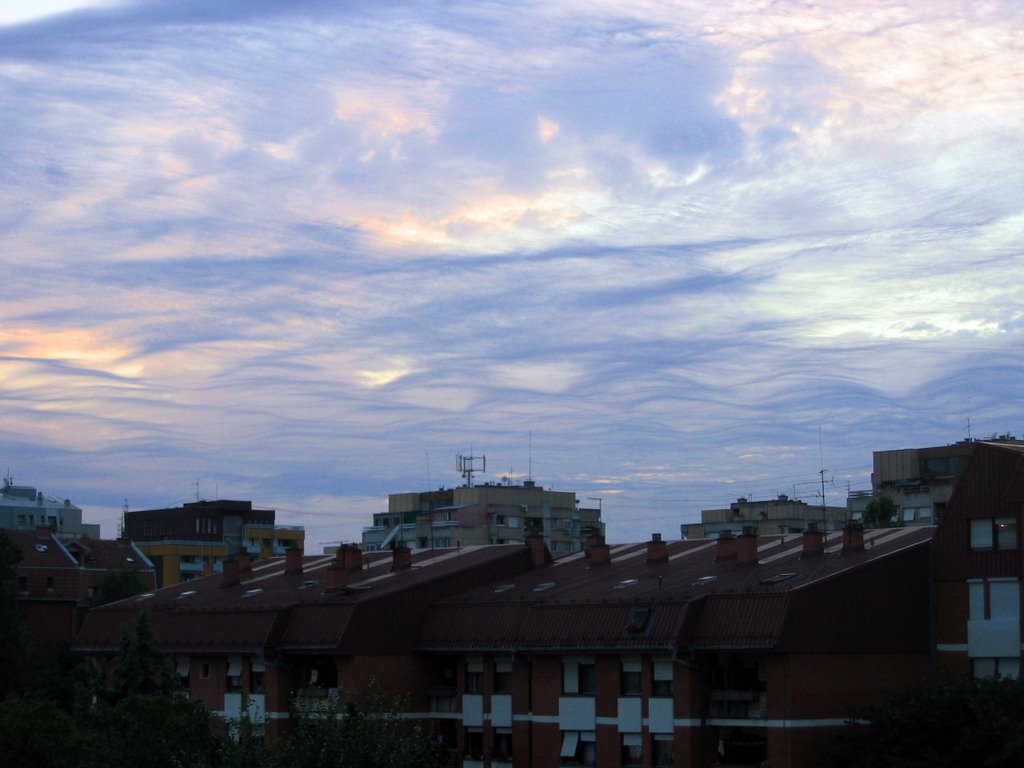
(140, 667)
(119, 584)
(365, 731)
(882, 512)
(956, 724)
(13, 636)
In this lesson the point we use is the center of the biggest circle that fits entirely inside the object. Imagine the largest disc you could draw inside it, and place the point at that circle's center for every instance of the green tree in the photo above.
(140, 667)
(882, 512)
(13, 636)
(959, 724)
(367, 731)
(35, 731)
(119, 584)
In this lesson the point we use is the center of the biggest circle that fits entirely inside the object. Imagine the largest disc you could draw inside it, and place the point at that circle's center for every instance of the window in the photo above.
(23, 585)
(474, 675)
(994, 533)
(502, 749)
(661, 751)
(578, 748)
(502, 676)
(996, 667)
(474, 745)
(204, 671)
(630, 681)
(49, 584)
(579, 676)
(662, 685)
(632, 749)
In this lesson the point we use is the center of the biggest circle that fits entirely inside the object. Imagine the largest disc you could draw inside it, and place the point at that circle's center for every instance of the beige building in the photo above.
(919, 480)
(772, 516)
(489, 513)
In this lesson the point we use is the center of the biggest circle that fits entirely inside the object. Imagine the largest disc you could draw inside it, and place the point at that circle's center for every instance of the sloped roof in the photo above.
(689, 601)
(272, 610)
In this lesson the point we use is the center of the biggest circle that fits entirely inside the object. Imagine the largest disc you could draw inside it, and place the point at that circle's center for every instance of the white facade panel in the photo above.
(577, 713)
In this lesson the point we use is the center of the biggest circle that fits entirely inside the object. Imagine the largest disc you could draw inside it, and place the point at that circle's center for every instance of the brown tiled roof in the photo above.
(689, 601)
(376, 611)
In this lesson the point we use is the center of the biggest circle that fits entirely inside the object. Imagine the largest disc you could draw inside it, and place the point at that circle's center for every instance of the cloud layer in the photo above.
(306, 254)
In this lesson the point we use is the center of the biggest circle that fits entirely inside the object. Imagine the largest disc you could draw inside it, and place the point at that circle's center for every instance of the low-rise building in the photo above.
(779, 515)
(193, 540)
(488, 513)
(22, 507)
(57, 579)
(919, 481)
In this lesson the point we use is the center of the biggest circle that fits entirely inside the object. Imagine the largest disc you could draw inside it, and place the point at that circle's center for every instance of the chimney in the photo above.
(231, 573)
(813, 541)
(349, 557)
(401, 558)
(657, 550)
(539, 555)
(244, 561)
(292, 561)
(725, 549)
(600, 554)
(853, 538)
(746, 546)
(336, 574)
(592, 538)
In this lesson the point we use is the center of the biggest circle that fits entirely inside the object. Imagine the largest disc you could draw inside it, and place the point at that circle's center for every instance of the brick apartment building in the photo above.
(57, 578)
(732, 651)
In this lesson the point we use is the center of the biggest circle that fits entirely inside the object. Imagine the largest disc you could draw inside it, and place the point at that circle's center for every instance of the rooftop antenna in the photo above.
(821, 463)
(429, 486)
(197, 489)
(467, 466)
(124, 513)
(529, 472)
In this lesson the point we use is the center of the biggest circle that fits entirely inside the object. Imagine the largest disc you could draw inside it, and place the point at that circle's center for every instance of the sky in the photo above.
(662, 254)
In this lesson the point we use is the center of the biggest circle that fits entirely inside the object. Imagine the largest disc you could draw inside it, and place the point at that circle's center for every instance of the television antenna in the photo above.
(467, 466)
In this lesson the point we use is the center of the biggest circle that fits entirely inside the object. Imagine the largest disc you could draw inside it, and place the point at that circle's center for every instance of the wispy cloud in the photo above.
(308, 253)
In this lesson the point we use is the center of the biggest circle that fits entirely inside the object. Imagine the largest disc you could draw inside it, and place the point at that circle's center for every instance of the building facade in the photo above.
(779, 515)
(692, 653)
(920, 481)
(979, 568)
(22, 507)
(193, 540)
(484, 514)
(57, 579)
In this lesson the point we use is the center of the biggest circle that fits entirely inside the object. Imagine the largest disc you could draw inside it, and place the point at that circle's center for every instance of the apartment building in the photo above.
(740, 649)
(57, 578)
(22, 507)
(779, 515)
(979, 568)
(489, 513)
(193, 540)
(920, 481)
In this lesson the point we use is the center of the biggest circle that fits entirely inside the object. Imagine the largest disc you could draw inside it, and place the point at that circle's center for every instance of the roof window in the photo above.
(626, 583)
(779, 578)
(145, 596)
(187, 593)
(704, 580)
(544, 585)
(42, 548)
(253, 592)
(505, 588)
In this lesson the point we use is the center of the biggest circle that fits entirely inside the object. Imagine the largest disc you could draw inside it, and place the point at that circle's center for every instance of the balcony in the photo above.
(738, 704)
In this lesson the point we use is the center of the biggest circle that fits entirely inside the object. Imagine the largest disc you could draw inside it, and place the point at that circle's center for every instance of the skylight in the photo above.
(779, 578)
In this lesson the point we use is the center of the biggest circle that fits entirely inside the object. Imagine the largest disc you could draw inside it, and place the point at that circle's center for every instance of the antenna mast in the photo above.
(467, 467)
